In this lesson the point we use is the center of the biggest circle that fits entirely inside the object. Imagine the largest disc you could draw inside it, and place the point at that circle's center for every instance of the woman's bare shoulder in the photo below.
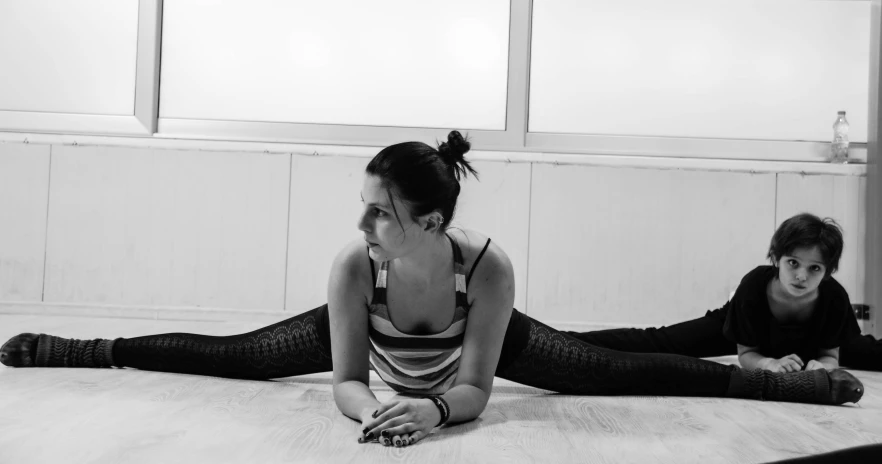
(472, 243)
(353, 265)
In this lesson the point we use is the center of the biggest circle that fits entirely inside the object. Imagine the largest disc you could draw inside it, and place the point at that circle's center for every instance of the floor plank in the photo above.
(131, 416)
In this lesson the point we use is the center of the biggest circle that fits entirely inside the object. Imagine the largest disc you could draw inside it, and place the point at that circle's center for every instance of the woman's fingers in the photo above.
(383, 413)
(403, 434)
(401, 439)
(389, 438)
(390, 419)
(383, 408)
(795, 359)
(416, 436)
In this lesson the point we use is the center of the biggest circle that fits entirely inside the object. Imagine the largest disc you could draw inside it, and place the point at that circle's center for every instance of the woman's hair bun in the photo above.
(455, 148)
(453, 153)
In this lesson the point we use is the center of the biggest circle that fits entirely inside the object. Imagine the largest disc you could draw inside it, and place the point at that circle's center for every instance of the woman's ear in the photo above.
(434, 221)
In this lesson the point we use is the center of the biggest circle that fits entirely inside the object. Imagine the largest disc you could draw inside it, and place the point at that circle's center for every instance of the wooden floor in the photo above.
(130, 416)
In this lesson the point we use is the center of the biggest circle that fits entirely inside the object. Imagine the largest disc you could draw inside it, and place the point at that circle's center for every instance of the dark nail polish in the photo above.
(374, 415)
(369, 436)
(364, 431)
(385, 433)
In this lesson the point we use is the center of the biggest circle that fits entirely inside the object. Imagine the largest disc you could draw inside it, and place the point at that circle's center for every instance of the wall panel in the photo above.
(24, 188)
(167, 228)
(639, 246)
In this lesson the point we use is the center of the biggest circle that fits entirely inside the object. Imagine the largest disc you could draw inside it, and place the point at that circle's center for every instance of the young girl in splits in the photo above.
(790, 316)
(430, 310)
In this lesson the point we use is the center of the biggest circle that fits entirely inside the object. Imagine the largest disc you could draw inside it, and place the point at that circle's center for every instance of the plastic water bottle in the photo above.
(839, 147)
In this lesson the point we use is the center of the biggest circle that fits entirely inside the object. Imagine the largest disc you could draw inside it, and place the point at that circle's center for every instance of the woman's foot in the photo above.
(32, 350)
(844, 387)
(20, 351)
(816, 386)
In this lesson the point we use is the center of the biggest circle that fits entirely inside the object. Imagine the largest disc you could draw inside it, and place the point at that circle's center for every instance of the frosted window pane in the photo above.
(747, 69)
(68, 57)
(383, 62)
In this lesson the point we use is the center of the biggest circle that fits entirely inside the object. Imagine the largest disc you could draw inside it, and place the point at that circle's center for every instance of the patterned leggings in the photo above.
(533, 354)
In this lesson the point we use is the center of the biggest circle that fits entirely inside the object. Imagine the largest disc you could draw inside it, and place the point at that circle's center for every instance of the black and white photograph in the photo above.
(435, 232)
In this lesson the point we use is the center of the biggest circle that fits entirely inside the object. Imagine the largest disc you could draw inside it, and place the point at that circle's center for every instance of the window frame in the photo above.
(143, 119)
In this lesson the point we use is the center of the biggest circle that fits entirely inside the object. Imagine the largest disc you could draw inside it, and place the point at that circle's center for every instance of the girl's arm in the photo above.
(347, 311)
(751, 358)
(827, 359)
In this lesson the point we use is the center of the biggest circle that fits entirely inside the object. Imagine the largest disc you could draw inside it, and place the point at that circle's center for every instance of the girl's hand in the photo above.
(814, 365)
(789, 363)
(401, 422)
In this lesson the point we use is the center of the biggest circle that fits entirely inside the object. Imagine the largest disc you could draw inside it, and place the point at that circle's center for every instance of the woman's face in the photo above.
(388, 235)
(801, 271)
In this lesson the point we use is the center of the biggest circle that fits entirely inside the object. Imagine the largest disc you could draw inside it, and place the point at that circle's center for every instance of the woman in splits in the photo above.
(430, 310)
(792, 315)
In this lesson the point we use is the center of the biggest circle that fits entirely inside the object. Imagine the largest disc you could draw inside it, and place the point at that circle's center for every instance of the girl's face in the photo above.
(801, 271)
(388, 235)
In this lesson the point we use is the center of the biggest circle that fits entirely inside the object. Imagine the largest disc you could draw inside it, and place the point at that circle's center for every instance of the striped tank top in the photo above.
(418, 364)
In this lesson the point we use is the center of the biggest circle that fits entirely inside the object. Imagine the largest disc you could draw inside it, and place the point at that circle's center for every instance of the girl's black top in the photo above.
(749, 320)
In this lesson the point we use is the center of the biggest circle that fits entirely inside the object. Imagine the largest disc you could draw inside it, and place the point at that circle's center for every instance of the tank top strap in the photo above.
(460, 276)
(379, 296)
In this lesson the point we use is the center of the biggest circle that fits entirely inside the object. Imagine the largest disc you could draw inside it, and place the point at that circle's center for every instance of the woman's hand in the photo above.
(789, 363)
(400, 422)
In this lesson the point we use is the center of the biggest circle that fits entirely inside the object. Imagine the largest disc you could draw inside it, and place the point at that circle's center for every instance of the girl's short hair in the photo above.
(805, 231)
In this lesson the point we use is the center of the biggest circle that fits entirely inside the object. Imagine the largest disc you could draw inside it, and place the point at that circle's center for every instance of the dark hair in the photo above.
(423, 177)
(805, 231)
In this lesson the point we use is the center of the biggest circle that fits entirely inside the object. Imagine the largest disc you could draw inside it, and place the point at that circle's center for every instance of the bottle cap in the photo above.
(842, 113)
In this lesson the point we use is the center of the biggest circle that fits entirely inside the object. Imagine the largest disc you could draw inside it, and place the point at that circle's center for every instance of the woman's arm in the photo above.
(827, 359)
(492, 289)
(347, 301)
(751, 358)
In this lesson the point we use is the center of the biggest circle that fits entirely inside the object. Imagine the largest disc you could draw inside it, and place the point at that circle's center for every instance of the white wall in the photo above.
(166, 228)
(219, 233)
(24, 191)
(643, 246)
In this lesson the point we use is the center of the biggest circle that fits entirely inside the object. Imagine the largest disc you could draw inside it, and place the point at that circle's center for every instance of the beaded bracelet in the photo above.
(443, 407)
